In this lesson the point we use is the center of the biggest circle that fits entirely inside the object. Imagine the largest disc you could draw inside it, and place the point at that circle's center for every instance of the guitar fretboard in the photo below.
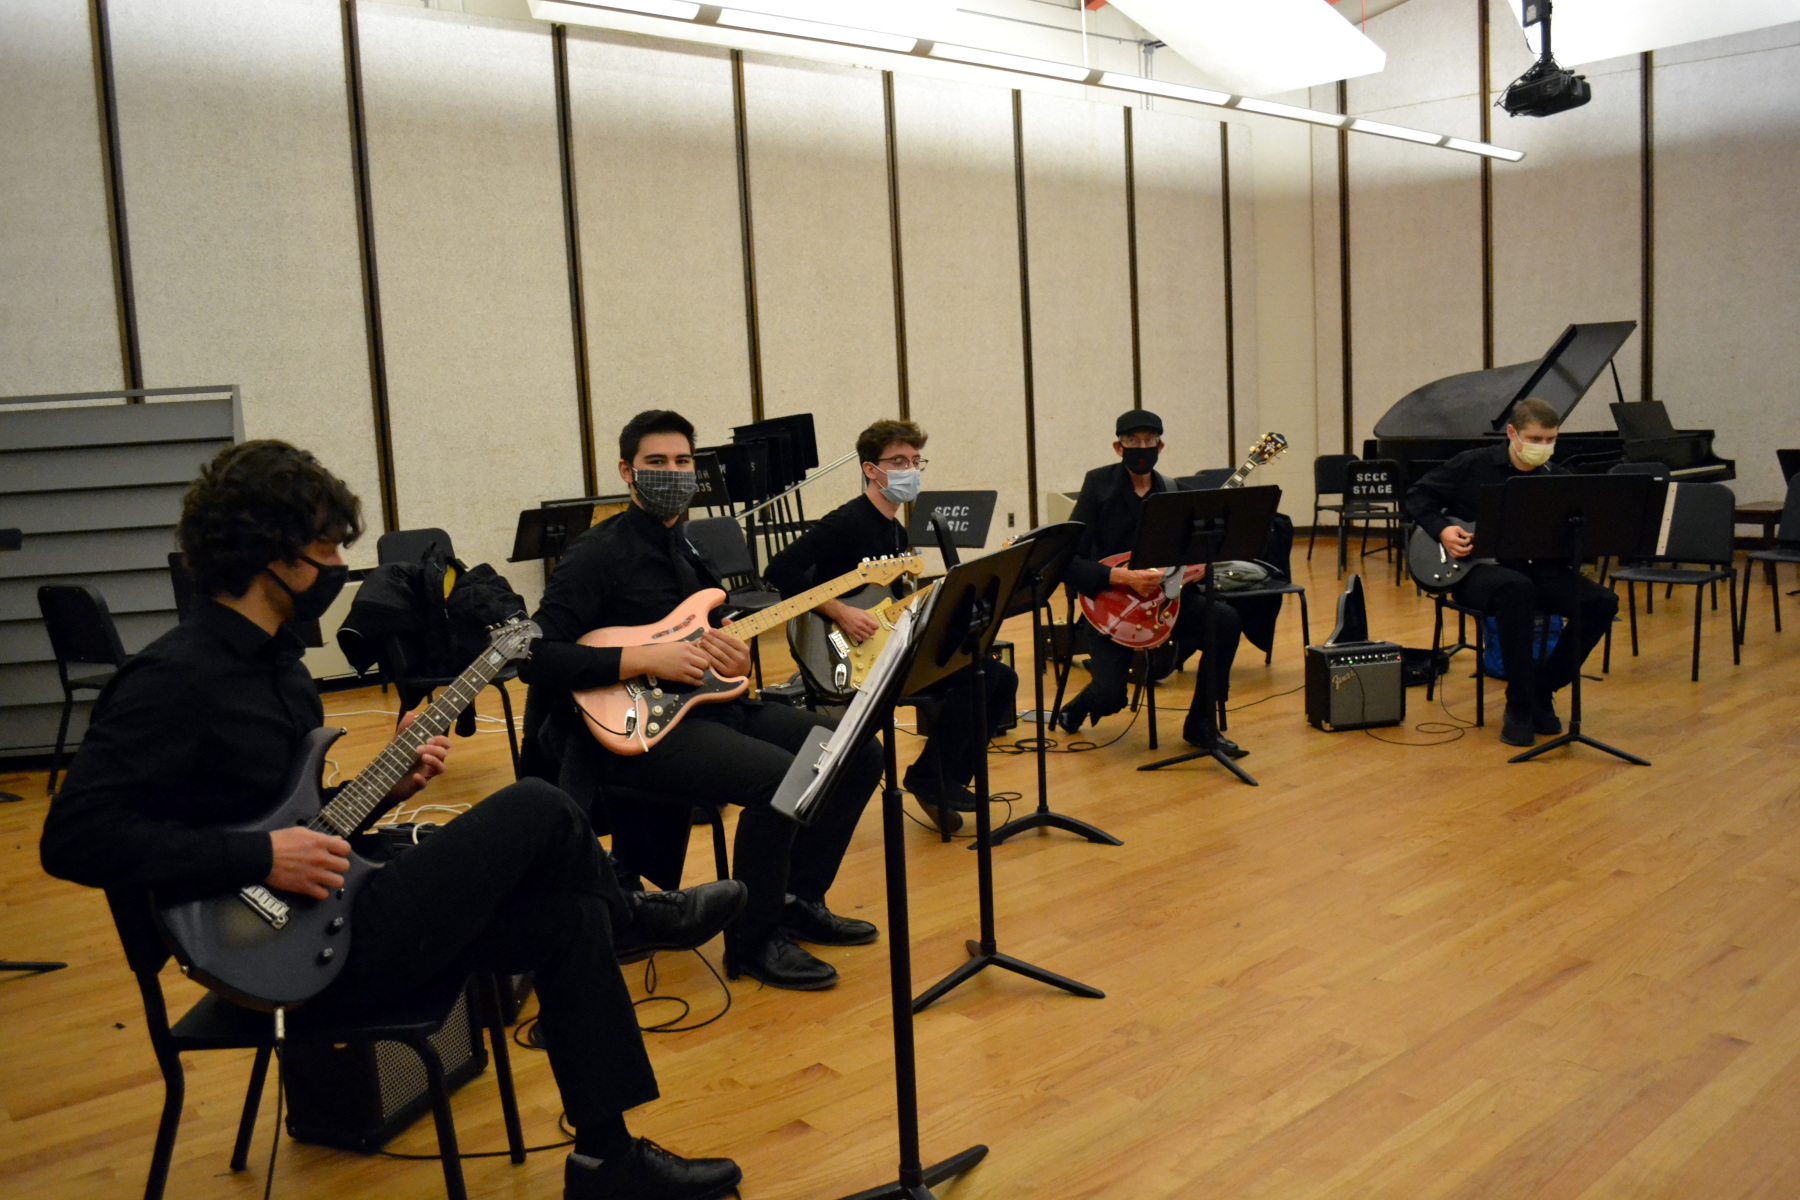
(780, 614)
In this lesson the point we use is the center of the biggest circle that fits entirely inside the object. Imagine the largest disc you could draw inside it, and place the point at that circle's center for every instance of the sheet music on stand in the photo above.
(816, 767)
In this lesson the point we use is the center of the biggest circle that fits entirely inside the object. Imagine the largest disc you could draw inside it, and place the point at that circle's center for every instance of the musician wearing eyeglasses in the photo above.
(1111, 505)
(891, 454)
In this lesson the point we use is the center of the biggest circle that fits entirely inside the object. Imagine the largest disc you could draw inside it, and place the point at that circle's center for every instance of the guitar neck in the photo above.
(780, 614)
(357, 800)
(1238, 476)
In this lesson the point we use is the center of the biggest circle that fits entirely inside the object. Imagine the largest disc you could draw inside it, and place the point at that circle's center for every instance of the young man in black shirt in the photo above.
(1514, 592)
(634, 569)
(866, 527)
(196, 733)
(1111, 505)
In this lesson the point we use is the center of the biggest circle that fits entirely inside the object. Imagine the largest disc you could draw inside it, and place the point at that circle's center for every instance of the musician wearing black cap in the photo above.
(1111, 506)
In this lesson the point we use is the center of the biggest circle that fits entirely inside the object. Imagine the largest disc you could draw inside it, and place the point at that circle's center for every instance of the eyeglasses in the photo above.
(897, 463)
(1146, 442)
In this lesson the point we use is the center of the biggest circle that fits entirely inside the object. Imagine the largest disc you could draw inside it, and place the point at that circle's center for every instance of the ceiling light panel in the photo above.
(1585, 31)
(1259, 47)
(816, 30)
(1010, 62)
(1157, 87)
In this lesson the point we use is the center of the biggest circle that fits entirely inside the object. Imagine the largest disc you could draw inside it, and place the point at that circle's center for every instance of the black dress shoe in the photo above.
(1543, 716)
(1516, 727)
(1070, 718)
(648, 1172)
(944, 820)
(780, 963)
(678, 920)
(930, 790)
(1197, 739)
(811, 921)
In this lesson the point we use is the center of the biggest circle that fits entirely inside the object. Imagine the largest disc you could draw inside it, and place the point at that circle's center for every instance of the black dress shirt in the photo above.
(1111, 509)
(1451, 493)
(192, 734)
(835, 545)
(628, 570)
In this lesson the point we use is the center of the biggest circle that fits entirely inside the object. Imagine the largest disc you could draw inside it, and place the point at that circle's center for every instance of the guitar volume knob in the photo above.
(327, 954)
(336, 925)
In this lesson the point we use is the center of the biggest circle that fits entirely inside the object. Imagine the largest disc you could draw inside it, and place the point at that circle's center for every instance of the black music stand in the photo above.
(965, 614)
(811, 776)
(1184, 529)
(546, 532)
(964, 515)
(1569, 517)
(1052, 546)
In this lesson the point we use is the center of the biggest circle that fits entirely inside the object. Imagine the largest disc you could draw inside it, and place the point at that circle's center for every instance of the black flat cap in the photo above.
(1135, 420)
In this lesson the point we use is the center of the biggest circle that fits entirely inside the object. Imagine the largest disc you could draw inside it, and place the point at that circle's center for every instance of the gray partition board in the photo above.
(125, 592)
(76, 512)
(70, 426)
(103, 466)
(28, 642)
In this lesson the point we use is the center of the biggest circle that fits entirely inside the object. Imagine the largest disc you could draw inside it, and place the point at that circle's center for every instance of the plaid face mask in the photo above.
(665, 494)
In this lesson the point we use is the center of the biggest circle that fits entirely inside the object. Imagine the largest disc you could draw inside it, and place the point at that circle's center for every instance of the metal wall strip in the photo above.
(1231, 438)
(1487, 193)
(1647, 187)
(1031, 471)
(1343, 157)
(365, 237)
(565, 143)
(752, 321)
(125, 291)
(1131, 262)
(893, 183)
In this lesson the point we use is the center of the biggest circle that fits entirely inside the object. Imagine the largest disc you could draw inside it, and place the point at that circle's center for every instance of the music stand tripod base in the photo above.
(1217, 755)
(928, 1178)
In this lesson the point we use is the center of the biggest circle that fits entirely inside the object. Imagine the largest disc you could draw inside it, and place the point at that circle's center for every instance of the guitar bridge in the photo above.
(265, 904)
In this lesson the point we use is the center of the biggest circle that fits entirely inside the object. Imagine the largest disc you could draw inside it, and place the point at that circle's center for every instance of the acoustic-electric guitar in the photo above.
(635, 714)
(1143, 622)
(268, 949)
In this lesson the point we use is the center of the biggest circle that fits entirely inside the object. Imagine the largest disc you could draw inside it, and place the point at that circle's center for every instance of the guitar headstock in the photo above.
(513, 639)
(889, 567)
(1267, 448)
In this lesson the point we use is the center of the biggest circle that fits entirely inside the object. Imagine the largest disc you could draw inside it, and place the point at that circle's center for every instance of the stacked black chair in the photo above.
(1328, 480)
(1372, 490)
(1785, 550)
(216, 1024)
(87, 648)
(1700, 531)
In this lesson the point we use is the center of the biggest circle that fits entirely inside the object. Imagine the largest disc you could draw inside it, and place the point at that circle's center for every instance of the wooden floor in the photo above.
(1393, 970)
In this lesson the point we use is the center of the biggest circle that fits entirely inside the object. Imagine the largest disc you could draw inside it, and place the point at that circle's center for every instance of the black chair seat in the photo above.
(1776, 554)
(1690, 575)
(217, 1024)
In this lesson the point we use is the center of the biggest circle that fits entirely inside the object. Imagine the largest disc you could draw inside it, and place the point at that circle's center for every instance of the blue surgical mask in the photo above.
(902, 486)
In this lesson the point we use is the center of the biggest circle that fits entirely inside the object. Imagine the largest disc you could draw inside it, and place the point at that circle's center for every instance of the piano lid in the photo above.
(1475, 403)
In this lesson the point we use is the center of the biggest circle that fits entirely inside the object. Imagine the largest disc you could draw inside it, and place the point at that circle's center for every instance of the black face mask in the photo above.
(311, 604)
(1141, 461)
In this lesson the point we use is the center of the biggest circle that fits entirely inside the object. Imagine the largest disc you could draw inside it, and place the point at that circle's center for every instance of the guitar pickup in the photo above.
(265, 904)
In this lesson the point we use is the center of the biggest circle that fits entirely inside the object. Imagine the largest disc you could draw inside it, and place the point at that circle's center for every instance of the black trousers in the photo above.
(1512, 596)
(1110, 663)
(738, 753)
(956, 746)
(518, 883)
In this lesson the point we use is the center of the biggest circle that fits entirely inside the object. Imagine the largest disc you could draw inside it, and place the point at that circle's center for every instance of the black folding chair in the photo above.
(83, 637)
(1372, 489)
(216, 1024)
(720, 542)
(1328, 480)
(1785, 550)
(1700, 531)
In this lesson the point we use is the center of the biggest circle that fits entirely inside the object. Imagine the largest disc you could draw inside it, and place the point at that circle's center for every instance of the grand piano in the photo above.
(1461, 412)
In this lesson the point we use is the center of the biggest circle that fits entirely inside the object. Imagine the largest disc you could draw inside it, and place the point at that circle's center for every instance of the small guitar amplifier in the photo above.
(1357, 685)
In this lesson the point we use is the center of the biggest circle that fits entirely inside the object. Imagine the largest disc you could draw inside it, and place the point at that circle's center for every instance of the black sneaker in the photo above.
(1543, 716)
(678, 920)
(648, 1172)
(811, 921)
(1516, 728)
(780, 963)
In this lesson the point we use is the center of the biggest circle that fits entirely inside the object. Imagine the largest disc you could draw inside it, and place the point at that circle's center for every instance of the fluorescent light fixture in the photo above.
(908, 18)
(737, 18)
(678, 9)
(1269, 108)
(1157, 87)
(1261, 47)
(1483, 149)
(1010, 62)
(1381, 129)
(1585, 31)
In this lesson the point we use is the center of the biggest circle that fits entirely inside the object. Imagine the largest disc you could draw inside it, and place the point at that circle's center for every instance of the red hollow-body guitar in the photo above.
(634, 714)
(1142, 622)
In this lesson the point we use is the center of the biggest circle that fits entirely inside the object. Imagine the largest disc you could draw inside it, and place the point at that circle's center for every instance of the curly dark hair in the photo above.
(258, 503)
(882, 434)
(652, 420)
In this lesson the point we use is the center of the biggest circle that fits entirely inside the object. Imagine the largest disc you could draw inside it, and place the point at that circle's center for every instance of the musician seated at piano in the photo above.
(1111, 505)
(634, 569)
(892, 460)
(194, 735)
(1444, 503)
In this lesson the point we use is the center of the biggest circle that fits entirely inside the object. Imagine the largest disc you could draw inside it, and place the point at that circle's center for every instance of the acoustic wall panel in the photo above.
(1727, 154)
(474, 274)
(959, 234)
(824, 266)
(236, 147)
(59, 325)
(1080, 289)
(1181, 284)
(1328, 317)
(1247, 286)
(656, 179)
(1415, 259)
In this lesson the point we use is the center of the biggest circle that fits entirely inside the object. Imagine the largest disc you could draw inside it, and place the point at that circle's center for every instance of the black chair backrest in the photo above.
(408, 545)
(1790, 513)
(1328, 473)
(1790, 462)
(1702, 527)
(1209, 480)
(1656, 470)
(722, 547)
(145, 951)
(80, 627)
(1373, 481)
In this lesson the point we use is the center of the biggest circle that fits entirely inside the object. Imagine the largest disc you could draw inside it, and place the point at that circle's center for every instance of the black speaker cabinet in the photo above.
(1354, 686)
(358, 1095)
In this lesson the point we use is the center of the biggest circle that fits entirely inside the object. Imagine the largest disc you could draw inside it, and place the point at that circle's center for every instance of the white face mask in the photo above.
(902, 486)
(1533, 454)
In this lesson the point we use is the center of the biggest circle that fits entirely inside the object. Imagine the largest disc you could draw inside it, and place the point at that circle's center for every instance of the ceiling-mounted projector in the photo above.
(1546, 88)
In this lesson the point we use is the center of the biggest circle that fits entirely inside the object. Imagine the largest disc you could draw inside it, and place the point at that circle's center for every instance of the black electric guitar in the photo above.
(1433, 568)
(267, 949)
